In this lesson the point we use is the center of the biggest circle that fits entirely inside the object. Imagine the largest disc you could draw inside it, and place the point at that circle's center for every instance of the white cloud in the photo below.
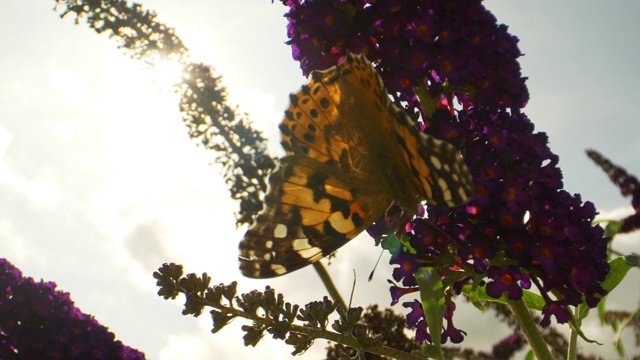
(15, 247)
(5, 140)
(42, 191)
(227, 344)
(184, 347)
(616, 213)
(65, 130)
(72, 86)
(261, 109)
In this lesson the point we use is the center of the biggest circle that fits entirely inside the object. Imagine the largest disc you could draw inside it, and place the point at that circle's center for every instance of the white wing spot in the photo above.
(446, 193)
(462, 193)
(300, 244)
(278, 269)
(268, 244)
(435, 162)
(280, 231)
(267, 256)
(312, 253)
(302, 247)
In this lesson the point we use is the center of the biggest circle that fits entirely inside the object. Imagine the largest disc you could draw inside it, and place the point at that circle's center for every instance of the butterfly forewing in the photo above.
(315, 125)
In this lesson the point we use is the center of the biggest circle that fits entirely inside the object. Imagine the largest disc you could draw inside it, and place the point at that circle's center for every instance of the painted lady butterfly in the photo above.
(350, 154)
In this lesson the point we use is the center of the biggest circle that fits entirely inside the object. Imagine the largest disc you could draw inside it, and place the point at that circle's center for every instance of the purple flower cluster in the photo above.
(628, 184)
(451, 47)
(38, 322)
(521, 228)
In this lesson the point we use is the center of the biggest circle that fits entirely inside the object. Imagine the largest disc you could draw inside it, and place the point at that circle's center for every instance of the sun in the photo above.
(166, 74)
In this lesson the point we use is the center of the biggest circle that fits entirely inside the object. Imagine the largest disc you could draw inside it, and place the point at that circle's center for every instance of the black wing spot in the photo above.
(315, 182)
(285, 130)
(293, 99)
(325, 103)
(341, 205)
(357, 220)
(308, 138)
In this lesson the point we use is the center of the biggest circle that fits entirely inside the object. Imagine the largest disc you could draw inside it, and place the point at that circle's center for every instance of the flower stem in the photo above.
(328, 283)
(572, 351)
(530, 329)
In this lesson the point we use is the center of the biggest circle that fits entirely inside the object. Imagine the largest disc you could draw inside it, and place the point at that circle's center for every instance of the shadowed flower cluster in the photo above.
(441, 46)
(521, 228)
(38, 322)
(628, 184)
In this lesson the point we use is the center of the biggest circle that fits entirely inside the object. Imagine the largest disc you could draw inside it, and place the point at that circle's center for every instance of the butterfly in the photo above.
(350, 154)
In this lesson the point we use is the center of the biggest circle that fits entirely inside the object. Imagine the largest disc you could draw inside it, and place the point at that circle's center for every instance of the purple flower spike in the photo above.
(414, 43)
(628, 184)
(451, 332)
(556, 309)
(521, 227)
(417, 320)
(39, 322)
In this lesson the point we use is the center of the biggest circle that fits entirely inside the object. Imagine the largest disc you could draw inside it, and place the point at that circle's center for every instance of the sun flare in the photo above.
(166, 73)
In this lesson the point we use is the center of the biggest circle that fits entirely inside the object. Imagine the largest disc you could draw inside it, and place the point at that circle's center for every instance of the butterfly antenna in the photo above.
(376, 265)
(353, 288)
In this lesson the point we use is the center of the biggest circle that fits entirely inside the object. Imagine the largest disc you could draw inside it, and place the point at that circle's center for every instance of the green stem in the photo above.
(572, 351)
(530, 329)
(328, 283)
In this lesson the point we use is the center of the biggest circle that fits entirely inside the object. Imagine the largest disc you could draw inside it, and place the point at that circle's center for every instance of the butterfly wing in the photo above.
(321, 124)
(436, 165)
(324, 193)
(311, 210)
(350, 153)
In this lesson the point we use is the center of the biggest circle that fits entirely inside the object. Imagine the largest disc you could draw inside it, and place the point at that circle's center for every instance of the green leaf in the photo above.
(427, 351)
(433, 302)
(612, 228)
(618, 270)
(601, 310)
(533, 300)
(404, 239)
(391, 243)
(473, 294)
(575, 326)
(618, 332)
(632, 260)
(530, 356)
(582, 311)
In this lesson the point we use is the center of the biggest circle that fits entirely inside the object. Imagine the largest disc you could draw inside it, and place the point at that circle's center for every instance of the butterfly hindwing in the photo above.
(434, 168)
(436, 165)
(310, 212)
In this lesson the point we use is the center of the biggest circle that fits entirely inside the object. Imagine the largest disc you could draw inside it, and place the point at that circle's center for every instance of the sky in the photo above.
(100, 183)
